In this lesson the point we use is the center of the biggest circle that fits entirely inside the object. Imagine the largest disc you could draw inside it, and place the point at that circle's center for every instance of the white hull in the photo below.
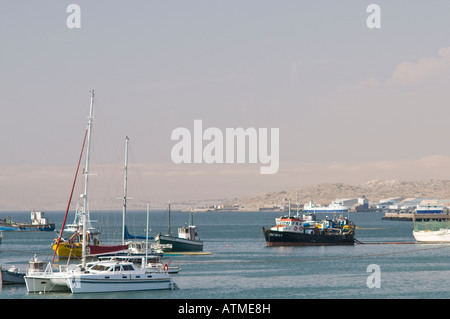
(45, 283)
(88, 283)
(442, 235)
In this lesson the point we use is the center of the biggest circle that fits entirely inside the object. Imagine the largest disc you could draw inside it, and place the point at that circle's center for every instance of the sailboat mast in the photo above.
(146, 237)
(170, 221)
(86, 180)
(125, 190)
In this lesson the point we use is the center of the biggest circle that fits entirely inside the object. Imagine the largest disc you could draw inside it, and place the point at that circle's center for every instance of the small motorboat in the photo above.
(12, 276)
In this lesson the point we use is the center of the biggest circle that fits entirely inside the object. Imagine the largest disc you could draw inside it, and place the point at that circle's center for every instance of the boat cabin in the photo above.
(36, 265)
(188, 232)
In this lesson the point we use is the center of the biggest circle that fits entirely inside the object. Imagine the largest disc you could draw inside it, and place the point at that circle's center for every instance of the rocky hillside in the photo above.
(373, 190)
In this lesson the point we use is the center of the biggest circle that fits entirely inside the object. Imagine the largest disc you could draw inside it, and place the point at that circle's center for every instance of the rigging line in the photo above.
(70, 198)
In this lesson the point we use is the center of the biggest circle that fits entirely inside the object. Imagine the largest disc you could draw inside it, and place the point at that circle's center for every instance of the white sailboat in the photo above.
(43, 277)
(101, 276)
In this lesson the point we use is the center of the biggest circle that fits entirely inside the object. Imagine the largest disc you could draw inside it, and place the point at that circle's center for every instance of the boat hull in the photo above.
(280, 238)
(65, 250)
(438, 236)
(179, 244)
(88, 283)
(26, 227)
(45, 283)
(11, 278)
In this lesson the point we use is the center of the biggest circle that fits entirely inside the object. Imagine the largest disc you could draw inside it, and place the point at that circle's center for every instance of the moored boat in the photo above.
(41, 277)
(100, 276)
(432, 231)
(187, 239)
(74, 245)
(306, 231)
(115, 276)
(12, 276)
(38, 223)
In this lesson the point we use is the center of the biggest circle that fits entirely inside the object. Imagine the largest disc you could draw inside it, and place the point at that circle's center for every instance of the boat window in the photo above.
(100, 268)
(127, 267)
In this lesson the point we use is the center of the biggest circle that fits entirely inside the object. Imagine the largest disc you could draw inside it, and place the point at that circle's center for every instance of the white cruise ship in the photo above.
(334, 207)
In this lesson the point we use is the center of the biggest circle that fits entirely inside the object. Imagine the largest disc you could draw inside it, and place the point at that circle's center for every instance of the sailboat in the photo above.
(187, 240)
(100, 276)
(74, 247)
(136, 244)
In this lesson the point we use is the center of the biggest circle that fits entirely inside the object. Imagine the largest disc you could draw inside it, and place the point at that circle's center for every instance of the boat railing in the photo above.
(63, 268)
(432, 225)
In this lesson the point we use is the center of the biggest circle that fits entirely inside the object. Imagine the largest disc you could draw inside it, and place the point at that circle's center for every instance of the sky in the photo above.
(351, 103)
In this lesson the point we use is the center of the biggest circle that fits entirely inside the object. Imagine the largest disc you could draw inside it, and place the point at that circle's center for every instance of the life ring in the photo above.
(166, 267)
(295, 227)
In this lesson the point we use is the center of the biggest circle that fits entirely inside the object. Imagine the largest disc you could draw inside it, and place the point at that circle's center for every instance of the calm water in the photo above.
(241, 266)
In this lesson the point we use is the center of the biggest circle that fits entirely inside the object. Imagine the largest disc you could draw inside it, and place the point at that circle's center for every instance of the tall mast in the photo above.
(146, 237)
(125, 190)
(170, 222)
(86, 179)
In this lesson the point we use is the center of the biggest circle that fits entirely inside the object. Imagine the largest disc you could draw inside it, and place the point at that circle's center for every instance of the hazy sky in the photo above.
(351, 103)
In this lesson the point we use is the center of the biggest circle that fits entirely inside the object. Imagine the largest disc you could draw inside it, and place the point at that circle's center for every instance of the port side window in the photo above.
(127, 267)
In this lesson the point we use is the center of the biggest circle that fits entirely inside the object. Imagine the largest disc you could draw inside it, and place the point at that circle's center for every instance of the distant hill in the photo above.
(374, 190)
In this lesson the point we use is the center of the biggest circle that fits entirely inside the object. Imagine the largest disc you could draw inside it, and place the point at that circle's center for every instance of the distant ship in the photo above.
(38, 223)
(430, 209)
(306, 231)
(334, 207)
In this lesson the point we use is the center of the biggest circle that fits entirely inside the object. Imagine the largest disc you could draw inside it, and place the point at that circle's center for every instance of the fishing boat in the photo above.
(305, 230)
(38, 223)
(100, 276)
(187, 239)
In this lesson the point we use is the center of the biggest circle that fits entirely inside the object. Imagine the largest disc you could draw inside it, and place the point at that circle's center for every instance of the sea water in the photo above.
(241, 266)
